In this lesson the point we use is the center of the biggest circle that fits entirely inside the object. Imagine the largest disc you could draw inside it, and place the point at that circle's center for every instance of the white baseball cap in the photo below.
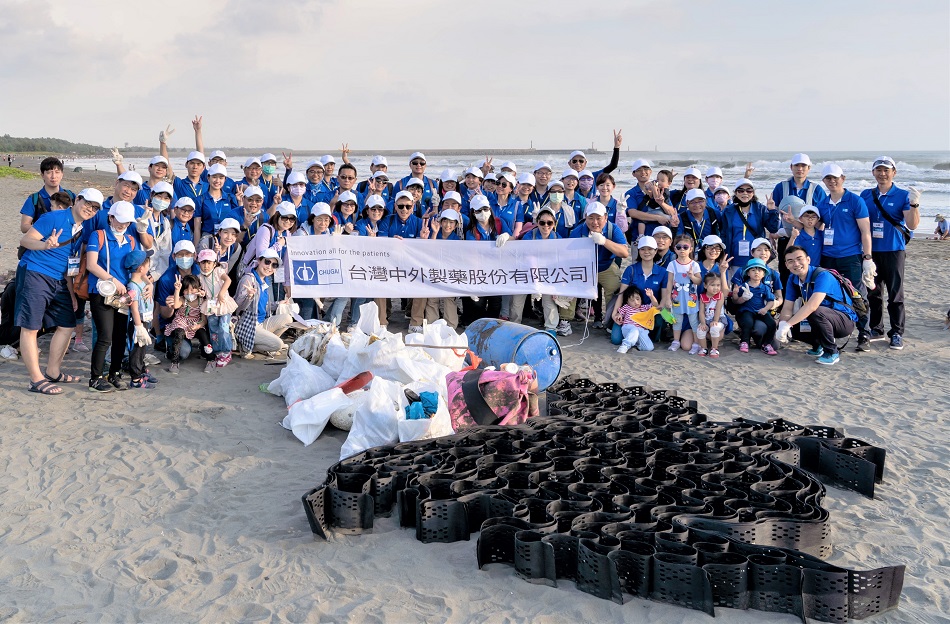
(253, 160)
(475, 171)
(577, 153)
(217, 154)
(286, 209)
(184, 245)
(296, 177)
(448, 213)
(662, 229)
(454, 196)
(380, 174)
(693, 171)
(196, 156)
(321, 209)
(229, 224)
(92, 195)
(568, 173)
(374, 201)
(184, 201)
(158, 159)
(712, 239)
(347, 196)
(418, 155)
(131, 176)
(123, 211)
(801, 159)
(448, 175)
(527, 178)
(713, 171)
(509, 165)
(744, 182)
(646, 241)
(595, 208)
(327, 158)
(810, 209)
(692, 194)
(832, 170)
(379, 160)
(760, 241)
(163, 187)
(640, 162)
(415, 182)
(252, 191)
(586, 174)
(312, 164)
(479, 201)
(268, 157)
(883, 161)
(270, 253)
(512, 180)
(404, 195)
(554, 183)
(217, 169)
(543, 165)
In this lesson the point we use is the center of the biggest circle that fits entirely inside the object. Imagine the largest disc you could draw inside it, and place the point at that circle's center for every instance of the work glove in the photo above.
(598, 238)
(502, 239)
(141, 224)
(868, 273)
(744, 293)
(473, 298)
(913, 195)
(536, 297)
(142, 338)
(784, 332)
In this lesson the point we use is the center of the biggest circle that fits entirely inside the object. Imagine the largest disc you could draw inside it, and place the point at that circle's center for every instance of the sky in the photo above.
(681, 75)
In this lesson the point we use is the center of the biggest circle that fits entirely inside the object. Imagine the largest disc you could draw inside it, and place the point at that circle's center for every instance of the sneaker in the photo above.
(173, 368)
(816, 352)
(675, 345)
(148, 376)
(222, 360)
(702, 353)
(142, 383)
(694, 349)
(116, 380)
(897, 343)
(714, 353)
(864, 344)
(151, 360)
(8, 353)
(80, 346)
(415, 329)
(210, 366)
(101, 384)
(828, 359)
(564, 328)
(743, 347)
(598, 325)
(623, 349)
(877, 335)
(769, 350)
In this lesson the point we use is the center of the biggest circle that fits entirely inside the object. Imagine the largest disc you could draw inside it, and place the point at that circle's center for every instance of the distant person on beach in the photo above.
(942, 231)
(894, 214)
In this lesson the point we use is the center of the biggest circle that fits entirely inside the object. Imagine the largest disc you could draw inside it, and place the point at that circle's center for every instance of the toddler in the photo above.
(680, 293)
(187, 322)
(713, 321)
(635, 319)
(217, 305)
(756, 302)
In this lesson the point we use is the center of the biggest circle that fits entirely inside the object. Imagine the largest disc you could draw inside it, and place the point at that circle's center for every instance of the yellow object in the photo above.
(645, 319)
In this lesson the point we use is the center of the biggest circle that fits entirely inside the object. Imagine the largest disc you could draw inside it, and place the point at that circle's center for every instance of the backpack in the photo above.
(809, 192)
(858, 304)
(39, 209)
(688, 225)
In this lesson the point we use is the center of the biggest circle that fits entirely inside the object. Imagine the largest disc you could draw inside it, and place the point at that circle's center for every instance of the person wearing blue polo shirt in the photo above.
(826, 308)
(38, 204)
(182, 263)
(192, 185)
(699, 220)
(296, 184)
(402, 223)
(611, 248)
(525, 207)
(646, 204)
(745, 220)
(126, 189)
(542, 176)
(713, 181)
(847, 240)
(417, 166)
(503, 202)
(894, 214)
(214, 206)
(329, 166)
(44, 299)
(249, 213)
(564, 214)
(252, 177)
(796, 186)
(181, 225)
(644, 273)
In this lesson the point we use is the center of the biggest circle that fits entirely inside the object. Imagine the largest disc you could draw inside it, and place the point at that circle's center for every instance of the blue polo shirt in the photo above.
(184, 188)
(268, 190)
(824, 283)
(733, 230)
(812, 245)
(362, 227)
(213, 211)
(535, 234)
(263, 299)
(392, 226)
(636, 199)
(428, 188)
(239, 215)
(115, 257)
(341, 220)
(604, 255)
(52, 262)
(303, 210)
(229, 184)
(165, 286)
(884, 236)
(29, 209)
(634, 276)
(523, 209)
(817, 197)
(101, 221)
(700, 229)
(842, 220)
(181, 231)
(506, 213)
(772, 280)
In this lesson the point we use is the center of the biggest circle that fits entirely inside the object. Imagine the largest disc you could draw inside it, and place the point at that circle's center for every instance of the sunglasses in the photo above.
(504, 185)
(270, 263)
(744, 190)
(483, 210)
(288, 217)
(346, 177)
(417, 163)
(578, 161)
(545, 222)
(683, 247)
(376, 208)
(403, 206)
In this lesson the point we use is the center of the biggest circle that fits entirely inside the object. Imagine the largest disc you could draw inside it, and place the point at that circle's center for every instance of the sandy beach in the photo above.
(183, 503)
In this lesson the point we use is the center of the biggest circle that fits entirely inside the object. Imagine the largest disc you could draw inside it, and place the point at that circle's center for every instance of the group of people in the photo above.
(201, 258)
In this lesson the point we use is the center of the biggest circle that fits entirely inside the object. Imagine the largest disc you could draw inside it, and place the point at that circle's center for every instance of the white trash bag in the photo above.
(375, 422)
(440, 424)
(300, 379)
(439, 334)
(342, 419)
(307, 418)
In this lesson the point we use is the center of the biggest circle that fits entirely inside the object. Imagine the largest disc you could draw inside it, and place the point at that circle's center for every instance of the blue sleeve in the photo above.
(28, 209)
(93, 244)
(770, 220)
(579, 232)
(776, 281)
(627, 277)
(618, 236)
(825, 283)
(505, 228)
(45, 224)
(861, 211)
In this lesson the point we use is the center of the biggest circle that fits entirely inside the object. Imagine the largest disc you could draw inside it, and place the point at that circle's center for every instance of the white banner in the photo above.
(362, 266)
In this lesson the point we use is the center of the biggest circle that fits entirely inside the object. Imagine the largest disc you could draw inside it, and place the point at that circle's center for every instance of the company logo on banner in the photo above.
(360, 266)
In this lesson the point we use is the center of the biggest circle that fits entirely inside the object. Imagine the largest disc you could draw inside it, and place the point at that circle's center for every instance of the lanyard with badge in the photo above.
(75, 246)
(829, 232)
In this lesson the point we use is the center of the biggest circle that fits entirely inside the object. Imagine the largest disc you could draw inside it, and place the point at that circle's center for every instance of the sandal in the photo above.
(63, 378)
(45, 387)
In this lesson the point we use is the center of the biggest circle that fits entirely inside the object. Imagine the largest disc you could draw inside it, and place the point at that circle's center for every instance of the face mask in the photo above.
(254, 214)
(184, 262)
(118, 234)
(482, 216)
(585, 184)
(208, 272)
(297, 191)
(160, 204)
(556, 198)
(269, 169)
(713, 183)
(191, 297)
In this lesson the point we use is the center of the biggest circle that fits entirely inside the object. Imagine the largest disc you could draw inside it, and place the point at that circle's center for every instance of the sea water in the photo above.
(913, 169)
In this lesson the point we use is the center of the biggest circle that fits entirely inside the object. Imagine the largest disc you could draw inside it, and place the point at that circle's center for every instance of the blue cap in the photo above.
(755, 263)
(134, 259)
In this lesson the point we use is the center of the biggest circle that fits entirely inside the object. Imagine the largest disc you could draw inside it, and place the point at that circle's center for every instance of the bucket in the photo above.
(497, 342)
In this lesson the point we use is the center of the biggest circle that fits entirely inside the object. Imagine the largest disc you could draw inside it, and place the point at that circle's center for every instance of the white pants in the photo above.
(548, 307)
(267, 336)
(638, 337)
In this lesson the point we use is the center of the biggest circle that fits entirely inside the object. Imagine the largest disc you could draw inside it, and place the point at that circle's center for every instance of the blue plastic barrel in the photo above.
(497, 342)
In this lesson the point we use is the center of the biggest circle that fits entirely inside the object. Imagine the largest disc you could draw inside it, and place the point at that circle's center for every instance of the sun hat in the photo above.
(184, 245)
(196, 156)
(832, 170)
(527, 178)
(158, 159)
(229, 224)
(375, 201)
(640, 162)
(217, 169)
(131, 176)
(595, 208)
(134, 259)
(755, 263)
(415, 182)
(122, 211)
(320, 209)
(404, 195)
(254, 191)
(379, 160)
(92, 195)
(454, 196)
(801, 159)
(646, 241)
(184, 201)
(163, 187)
(692, 194)
(479, 201)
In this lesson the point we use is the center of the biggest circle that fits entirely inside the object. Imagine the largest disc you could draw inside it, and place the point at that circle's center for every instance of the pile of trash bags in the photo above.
(323, 359)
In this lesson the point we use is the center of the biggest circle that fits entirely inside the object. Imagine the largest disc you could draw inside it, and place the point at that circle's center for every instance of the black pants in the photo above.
(111, 328)
(747, 320)
(850, 267)
(178, 336)
(890, 275)
(9, 332)
(136, 353)
(783, 271)
(485, 307)
(827, 325)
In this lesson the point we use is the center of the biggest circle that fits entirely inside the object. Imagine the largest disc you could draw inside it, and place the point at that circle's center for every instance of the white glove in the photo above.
(117, 157)
(536, 297)
(562, 302)
(142, 338)
(784, 331)
(502, 239)
(913, 195)
(536, 208)
(868, 273)
(473, 298)
(141, 225)
(598, 238)
(744, 293)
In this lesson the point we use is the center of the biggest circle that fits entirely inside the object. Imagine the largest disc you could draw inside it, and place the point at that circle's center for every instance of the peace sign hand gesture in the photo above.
(618, 138)
(52, 241)
(239, 194)
(196, 123)
(770, 203)
(724, 262)
(164, 134)
(116, 156)
(288, 160)
(345, 150)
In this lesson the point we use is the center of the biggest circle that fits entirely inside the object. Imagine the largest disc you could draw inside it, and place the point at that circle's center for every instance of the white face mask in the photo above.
(160, 204)
(556, 198)
(297, 190)
(191, 297)
(482, 216)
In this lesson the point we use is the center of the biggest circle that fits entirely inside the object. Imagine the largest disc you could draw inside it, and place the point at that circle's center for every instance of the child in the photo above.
(664, 179)
(680, 292)
(809, 237)
(217, 305)
(712, 321)
(141, 309)
(756, 301)
(635, 319)
(187, 322)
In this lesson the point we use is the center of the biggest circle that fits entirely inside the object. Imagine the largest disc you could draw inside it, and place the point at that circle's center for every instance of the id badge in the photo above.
(877, 230)
(279, 276)
(217, 227)
(744, 246)
(805, 326)
(829, 236)
(72, 266)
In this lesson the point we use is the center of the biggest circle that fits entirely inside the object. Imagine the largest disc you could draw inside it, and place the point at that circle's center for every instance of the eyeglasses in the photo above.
(183, 209)
(376, 208)
(93, 206)
(346, 177)
(271, 263)
(417, 163)
(682, 247)
(545, 223)
(744, 190)
(578, 161)
(403, 206)
(288, 217)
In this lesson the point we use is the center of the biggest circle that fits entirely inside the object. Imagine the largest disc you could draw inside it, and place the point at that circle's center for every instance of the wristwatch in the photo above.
(915, 205)
(866, 257)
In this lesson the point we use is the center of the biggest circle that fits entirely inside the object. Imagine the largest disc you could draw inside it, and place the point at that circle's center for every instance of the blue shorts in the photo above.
(43, 301)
